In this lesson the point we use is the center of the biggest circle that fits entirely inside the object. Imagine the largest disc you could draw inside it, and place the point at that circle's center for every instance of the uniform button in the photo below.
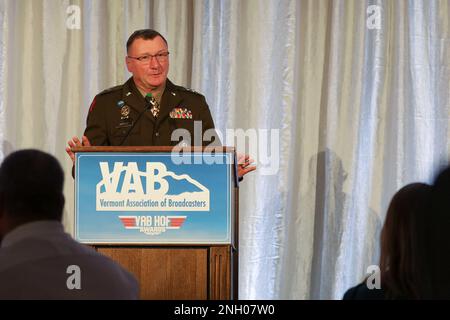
(157, 134)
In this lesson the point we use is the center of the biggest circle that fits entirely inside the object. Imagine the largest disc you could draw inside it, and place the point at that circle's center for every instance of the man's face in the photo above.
(153, 73)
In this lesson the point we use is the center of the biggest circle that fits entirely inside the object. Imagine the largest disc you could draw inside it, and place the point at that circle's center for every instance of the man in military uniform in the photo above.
(148, 108)
(118, 116)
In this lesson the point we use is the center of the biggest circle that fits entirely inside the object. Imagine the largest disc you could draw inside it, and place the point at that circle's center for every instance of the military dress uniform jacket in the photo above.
(114, 117)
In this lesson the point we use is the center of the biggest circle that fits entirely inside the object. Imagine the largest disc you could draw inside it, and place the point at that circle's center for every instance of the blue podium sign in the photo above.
(141, 197)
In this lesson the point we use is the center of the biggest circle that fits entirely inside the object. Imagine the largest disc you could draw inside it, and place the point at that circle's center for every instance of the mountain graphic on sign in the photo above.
(179, 186)
(125, 187)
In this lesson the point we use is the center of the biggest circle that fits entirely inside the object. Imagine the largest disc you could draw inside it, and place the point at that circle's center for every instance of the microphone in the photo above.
(150, 101)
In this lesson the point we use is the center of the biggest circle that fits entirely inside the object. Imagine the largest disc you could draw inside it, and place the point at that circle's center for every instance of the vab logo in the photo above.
(125, 188)
(152, 225)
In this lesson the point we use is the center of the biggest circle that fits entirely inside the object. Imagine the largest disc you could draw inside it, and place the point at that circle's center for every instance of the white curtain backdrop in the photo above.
(361, 111)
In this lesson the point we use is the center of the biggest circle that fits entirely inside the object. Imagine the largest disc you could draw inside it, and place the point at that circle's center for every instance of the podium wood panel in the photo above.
(165, 273)
(220, 273)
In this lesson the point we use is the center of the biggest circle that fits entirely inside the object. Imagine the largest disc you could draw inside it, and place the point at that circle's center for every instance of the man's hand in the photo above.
(244, 165)
(75, 142)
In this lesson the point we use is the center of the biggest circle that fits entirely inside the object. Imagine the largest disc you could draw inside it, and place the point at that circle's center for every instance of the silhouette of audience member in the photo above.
(38, 260)
(438, 240)
(403, 264)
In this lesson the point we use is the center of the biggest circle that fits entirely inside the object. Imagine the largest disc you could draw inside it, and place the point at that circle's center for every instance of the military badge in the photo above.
(125, 111)
(180, 113)
(125, 120)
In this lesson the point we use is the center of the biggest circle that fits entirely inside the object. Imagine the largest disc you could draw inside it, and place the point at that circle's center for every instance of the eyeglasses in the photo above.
(160, 57)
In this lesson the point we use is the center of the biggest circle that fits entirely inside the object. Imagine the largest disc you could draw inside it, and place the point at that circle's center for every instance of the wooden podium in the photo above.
(202, 268)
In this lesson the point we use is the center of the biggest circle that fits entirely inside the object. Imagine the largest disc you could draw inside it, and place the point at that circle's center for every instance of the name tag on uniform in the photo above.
(125, 123)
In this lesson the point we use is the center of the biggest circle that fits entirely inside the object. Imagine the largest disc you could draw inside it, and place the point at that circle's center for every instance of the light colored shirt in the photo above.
(38, 260)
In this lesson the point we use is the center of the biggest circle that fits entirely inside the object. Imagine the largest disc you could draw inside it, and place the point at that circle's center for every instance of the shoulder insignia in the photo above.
(189, 90)
(92, 105)
(119, 87)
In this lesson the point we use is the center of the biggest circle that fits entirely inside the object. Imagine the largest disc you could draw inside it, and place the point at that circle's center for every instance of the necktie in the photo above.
(155, 107)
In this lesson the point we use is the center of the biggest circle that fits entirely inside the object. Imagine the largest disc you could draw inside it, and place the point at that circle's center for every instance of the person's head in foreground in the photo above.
(402, 259)
(31, 189)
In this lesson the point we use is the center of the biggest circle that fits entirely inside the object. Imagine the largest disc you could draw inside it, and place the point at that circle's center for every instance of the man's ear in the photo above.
(128, 62)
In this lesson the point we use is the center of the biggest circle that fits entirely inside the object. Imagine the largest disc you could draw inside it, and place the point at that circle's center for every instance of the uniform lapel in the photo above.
(133, 98)
(169, 100)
